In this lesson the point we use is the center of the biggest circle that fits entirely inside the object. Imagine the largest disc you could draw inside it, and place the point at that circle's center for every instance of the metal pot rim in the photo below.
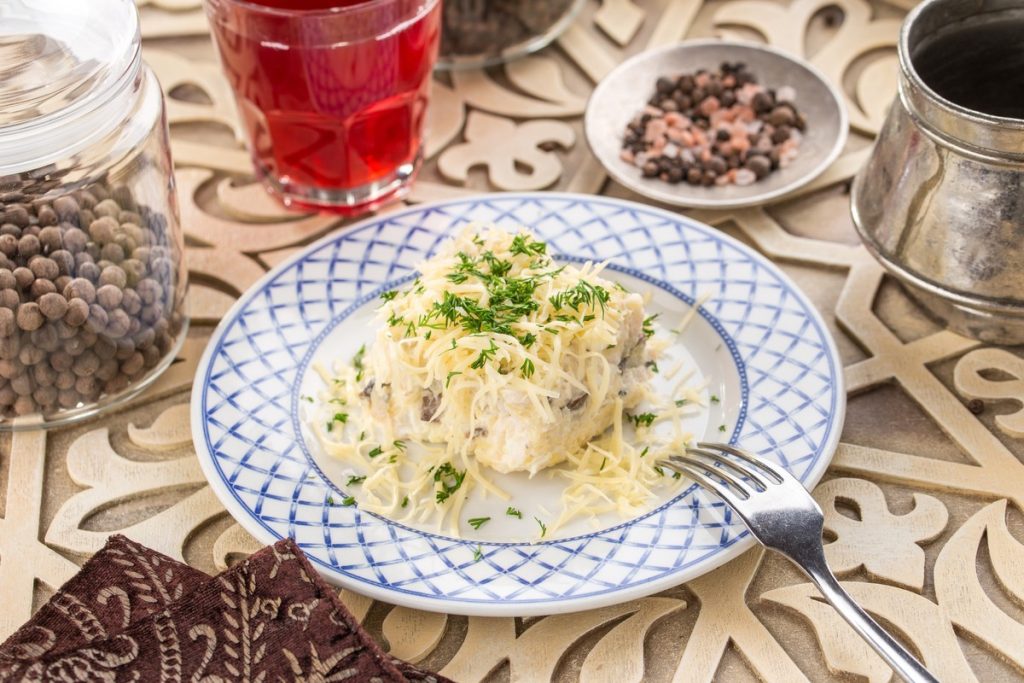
(956, 124)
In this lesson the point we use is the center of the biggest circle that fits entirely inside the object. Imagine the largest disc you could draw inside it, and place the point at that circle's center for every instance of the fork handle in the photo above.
(897, 656)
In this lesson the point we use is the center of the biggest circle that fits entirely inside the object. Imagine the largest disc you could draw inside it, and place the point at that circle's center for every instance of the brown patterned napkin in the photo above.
(134, 614)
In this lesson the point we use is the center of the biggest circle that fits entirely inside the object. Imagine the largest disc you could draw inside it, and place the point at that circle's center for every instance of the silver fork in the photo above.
(781, 514)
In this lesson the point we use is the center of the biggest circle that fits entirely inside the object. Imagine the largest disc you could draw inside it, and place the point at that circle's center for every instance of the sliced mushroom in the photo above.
(634, 356)
(428, 410)
(578, 402)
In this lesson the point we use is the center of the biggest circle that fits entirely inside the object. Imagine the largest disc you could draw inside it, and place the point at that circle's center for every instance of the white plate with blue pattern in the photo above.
(757, 340)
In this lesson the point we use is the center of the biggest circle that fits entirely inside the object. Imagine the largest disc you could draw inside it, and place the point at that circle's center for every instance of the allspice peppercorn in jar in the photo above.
(92, 283)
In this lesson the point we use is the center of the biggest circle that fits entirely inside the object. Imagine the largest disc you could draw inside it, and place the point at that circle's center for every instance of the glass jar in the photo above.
(92, 281)
(479, 33)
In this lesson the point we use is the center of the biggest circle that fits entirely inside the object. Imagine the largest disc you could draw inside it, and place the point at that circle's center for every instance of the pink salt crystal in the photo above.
(699, 137)
(641, 158)
(725, 149)
(740, 143)
(729, 81)
(722, 179)
(688, 138)
(710, 105)
(676, 135)
(705, 154)
(744, 176)
(670, 150)
(755, 126)
(674, 119)
(655, 129)
(745, 95)
(785, 94)
(746, 115)
(653, 111)
(702, 80)
(658, 145)
(627, 156)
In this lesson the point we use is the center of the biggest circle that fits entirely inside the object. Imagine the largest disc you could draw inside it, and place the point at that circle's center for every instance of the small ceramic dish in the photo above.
(625, 91)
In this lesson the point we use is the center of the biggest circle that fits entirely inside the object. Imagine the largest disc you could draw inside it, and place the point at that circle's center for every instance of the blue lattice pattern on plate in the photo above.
(250, 446)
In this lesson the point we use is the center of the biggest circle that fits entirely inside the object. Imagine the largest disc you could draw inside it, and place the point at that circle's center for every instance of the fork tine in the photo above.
(713, 471)
(778, 474)
(730, 465)
(705, 482)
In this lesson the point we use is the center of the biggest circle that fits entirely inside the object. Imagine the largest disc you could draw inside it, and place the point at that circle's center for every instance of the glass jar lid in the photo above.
(63, 64)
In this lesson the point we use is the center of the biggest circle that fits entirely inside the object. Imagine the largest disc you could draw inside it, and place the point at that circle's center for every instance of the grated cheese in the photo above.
(497, 358)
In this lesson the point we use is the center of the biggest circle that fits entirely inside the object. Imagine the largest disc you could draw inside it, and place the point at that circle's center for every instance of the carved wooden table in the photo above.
(923, 500)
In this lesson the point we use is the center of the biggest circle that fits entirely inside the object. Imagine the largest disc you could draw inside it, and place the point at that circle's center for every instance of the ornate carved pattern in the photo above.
(934, 491)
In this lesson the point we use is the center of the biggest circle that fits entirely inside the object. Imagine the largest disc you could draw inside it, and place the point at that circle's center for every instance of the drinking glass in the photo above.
(332, 93)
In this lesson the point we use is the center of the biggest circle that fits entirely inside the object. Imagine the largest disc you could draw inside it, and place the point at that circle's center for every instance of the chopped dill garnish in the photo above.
(399, 444)
(353, 480)
(357, 362)
(644, 451)
(338, 401)
(648, 326)
(527, 368)
(653, 366)
(377, 450)
(512, 512)
(680, 402)
(661, 472)
(349, 501)
(477, 522)
(478, 554)
(528, 340)
(722, 428)
(604, 461)
(645, 419)
(543, 527)
(714, 399)
(580, 294)
(450, 480)
(448, 380)
(522, 245)
(340, 417)
(485, 355)
(307, 399)
(405, 502)
(330, 500)
(362, 435)
(388, 296)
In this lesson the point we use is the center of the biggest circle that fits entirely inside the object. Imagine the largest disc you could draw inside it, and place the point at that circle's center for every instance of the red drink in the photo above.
(333, 93)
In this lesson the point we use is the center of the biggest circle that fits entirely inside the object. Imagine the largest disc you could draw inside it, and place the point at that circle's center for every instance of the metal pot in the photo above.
(940, 202)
